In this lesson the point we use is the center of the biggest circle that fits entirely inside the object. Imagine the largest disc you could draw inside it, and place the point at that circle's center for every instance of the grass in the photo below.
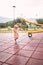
(23, 31)
(32, 31)
(6, 31)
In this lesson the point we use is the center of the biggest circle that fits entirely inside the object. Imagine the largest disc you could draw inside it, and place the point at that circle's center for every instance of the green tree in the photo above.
(2, 25)
(40, 21)
(13, 22)
(21, 21)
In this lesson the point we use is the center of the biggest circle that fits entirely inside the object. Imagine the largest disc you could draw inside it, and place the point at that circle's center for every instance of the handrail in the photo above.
(33, 23)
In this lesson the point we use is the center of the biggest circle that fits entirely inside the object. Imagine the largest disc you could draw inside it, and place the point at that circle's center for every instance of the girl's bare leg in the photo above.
(15, 40)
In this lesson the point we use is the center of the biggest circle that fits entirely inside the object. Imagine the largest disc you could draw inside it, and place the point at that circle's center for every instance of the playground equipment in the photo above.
(38, 28)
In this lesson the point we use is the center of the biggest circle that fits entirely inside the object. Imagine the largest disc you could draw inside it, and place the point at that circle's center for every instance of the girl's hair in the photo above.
(16, 26)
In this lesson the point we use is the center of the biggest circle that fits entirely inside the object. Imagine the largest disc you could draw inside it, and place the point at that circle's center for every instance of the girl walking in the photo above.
(16, 35)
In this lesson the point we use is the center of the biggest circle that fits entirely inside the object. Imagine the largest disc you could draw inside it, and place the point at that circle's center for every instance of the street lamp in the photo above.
(14, 12)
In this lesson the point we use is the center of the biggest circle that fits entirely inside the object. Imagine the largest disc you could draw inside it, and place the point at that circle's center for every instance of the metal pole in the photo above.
(14, 12)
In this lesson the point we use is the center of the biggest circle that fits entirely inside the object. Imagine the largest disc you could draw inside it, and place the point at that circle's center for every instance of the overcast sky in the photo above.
(24, 8)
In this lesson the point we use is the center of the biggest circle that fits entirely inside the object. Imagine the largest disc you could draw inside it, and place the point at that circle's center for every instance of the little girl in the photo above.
(16, 35)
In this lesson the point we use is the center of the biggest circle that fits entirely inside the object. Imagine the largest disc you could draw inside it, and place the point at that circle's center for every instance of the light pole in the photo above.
(14, 12)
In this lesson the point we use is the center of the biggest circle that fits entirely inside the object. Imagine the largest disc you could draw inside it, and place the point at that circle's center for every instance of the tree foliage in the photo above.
(20, 21)
(40, 21)
(12, 23)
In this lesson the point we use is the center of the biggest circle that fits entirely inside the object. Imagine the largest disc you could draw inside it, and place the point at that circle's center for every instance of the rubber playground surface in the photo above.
(27, 51)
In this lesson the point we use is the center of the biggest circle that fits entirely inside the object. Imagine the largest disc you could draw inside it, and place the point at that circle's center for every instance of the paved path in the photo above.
(27, 51)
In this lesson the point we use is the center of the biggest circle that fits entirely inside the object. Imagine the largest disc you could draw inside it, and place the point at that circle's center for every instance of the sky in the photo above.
(24, 8)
